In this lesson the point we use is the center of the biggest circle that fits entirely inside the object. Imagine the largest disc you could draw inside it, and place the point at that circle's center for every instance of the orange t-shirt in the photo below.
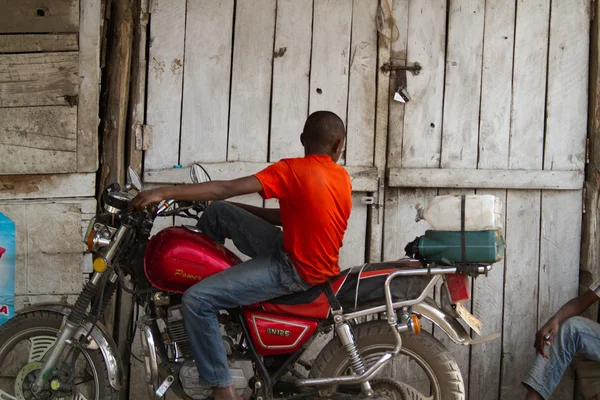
(315, 200)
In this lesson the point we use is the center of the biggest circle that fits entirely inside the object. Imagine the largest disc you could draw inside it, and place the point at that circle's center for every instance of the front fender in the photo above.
(450, 325)
(100, 335)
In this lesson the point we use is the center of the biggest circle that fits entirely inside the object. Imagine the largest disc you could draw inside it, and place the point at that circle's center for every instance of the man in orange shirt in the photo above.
(315, 201)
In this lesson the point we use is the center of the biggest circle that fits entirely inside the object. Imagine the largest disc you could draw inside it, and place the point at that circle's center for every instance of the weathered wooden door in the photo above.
(500, 107)
(230, 84)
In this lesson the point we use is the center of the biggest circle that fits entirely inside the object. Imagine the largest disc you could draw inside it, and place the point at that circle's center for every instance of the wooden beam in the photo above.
(484, 178)
(382, 103)
(25, 16)
(38, 43)
(46, 186)
(137, 106)
(89, 86)
(590, 245)
(364, 179)
(119, 61)
(137, 102)
(39, 79)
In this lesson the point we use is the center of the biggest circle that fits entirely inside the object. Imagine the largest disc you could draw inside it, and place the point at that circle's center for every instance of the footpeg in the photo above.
(165, 386)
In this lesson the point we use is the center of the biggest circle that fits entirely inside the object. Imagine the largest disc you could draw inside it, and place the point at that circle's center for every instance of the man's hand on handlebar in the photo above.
(147, 197)
(207, 191)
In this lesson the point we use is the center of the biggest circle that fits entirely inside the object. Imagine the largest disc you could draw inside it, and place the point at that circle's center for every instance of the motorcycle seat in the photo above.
(355, 288)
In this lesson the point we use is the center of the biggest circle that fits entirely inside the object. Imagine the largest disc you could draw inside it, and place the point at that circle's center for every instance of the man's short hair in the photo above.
(324, 127)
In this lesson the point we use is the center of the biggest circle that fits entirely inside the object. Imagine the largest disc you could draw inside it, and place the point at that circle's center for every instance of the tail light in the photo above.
(459, 287)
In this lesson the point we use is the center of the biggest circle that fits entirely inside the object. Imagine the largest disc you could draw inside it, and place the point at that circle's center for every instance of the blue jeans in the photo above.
(576, 335)
(269, 274)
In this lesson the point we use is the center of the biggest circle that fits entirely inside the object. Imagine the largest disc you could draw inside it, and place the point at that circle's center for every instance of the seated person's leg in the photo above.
(260, 279)
(576, 335)
(252, 235)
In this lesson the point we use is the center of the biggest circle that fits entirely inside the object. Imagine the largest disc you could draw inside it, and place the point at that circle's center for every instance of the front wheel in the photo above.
(25, 340)
(424, 367)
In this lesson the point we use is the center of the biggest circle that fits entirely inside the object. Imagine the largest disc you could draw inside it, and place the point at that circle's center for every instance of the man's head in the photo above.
(324, 133)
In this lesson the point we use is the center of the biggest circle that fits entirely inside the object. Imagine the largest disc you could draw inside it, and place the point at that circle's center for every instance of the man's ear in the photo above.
(302, 139)
(339, 146)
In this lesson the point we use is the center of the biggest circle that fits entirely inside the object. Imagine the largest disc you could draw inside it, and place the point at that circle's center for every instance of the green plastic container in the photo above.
(482, 247)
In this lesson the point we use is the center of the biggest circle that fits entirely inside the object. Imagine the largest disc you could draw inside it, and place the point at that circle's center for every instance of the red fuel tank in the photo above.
(177, 258)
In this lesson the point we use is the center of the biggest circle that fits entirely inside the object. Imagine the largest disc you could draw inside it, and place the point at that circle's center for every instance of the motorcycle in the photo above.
(368, 316)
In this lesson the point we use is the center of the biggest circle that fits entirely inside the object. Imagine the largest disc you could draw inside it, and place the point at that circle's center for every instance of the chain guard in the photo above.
(383, 388)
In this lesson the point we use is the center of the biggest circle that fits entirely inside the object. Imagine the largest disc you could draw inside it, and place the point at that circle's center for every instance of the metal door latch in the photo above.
(394, 67)
(397, 70)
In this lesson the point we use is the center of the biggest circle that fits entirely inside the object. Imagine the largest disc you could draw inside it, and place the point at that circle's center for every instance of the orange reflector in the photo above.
(90, 240)
(99, 264)
(416, 324)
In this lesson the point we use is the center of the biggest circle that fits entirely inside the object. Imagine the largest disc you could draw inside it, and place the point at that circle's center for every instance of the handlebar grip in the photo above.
(164, 206)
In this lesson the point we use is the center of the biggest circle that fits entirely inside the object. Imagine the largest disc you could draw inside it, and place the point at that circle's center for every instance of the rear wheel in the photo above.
(424, 367)
(25, 340)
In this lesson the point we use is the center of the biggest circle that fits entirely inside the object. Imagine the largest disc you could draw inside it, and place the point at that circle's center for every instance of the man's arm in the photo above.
(572, 308)
(209, 191)
(271, 215)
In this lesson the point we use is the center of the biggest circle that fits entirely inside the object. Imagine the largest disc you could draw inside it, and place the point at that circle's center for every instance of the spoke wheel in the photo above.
(24, 342)
(424, 368)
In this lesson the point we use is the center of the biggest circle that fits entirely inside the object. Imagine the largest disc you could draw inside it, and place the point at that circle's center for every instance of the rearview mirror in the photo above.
(134, 180)
(198, 174)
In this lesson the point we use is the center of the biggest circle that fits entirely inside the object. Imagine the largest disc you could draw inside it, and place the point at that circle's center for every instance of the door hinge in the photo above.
(368, 200)
(587, 150)
(592, 10)
(143, 137)
(376, 200)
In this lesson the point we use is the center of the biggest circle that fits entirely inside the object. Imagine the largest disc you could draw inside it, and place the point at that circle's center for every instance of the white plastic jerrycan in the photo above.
(482, 213)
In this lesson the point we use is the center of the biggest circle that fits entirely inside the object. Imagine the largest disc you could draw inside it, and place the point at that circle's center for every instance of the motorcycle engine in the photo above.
(241, 371)
(177, 333)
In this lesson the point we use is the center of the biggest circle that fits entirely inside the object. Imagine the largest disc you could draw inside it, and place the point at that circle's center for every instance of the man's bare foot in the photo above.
(227, 393)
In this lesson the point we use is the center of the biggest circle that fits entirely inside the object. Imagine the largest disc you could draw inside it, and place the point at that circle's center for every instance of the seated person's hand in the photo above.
(146, 198)
(545, 336)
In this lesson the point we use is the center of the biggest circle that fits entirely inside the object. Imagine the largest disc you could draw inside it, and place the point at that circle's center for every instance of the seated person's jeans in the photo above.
(576, 335)
(269, 274)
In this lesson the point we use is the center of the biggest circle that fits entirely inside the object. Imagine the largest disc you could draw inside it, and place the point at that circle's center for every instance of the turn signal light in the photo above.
(416, 324)
(90, 240)
(99, 264)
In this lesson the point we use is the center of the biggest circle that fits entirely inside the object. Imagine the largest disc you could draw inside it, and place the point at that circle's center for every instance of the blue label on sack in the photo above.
(7, 268)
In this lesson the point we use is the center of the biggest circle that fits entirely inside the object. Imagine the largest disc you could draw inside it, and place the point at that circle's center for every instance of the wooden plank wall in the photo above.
(49, 61)
(49, 85)
(501, 79)
(233, 81)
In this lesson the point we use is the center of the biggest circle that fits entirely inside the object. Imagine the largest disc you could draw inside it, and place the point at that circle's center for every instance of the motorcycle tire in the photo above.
(376, 337)
(42, 323)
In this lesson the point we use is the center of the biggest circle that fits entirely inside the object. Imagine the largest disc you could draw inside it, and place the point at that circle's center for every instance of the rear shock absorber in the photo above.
(347, 339)
(344, 332)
